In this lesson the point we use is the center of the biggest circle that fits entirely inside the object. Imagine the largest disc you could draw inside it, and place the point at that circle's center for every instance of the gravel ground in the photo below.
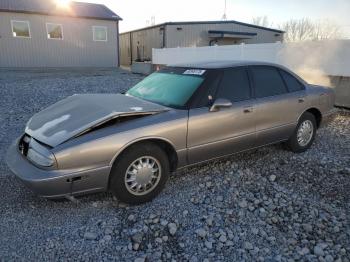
(267, 205)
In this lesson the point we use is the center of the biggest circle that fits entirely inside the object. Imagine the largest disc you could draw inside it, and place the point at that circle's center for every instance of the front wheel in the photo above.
(304, 134)
(139, 174)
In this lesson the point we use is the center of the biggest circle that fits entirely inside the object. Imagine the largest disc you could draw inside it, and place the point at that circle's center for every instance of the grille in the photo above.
(24, 144)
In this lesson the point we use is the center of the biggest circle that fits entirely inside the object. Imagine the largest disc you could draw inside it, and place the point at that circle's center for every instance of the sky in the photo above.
(136, 13)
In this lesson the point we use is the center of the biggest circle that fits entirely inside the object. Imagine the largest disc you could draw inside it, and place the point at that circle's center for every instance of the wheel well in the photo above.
(166, 146)
(317, 114)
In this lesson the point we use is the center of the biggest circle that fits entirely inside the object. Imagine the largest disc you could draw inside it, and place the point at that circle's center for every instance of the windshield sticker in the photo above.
(197, 72)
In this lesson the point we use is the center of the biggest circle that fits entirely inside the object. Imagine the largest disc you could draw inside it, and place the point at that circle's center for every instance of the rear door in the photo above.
(229, 130)
(277, 108)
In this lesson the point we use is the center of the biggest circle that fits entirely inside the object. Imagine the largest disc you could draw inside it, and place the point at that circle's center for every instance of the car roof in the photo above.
(222, 64)
(233, 63)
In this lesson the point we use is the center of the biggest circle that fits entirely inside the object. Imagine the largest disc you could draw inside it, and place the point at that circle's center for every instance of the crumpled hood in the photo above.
(75, 114)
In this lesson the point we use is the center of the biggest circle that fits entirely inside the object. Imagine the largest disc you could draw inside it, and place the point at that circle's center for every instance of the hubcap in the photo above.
(143, 175)
(305, 132)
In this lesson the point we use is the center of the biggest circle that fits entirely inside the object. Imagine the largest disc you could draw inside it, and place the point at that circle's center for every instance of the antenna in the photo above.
(224, 17)
(151, 22)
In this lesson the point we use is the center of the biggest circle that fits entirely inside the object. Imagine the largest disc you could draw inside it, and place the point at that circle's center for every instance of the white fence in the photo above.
(330, 58)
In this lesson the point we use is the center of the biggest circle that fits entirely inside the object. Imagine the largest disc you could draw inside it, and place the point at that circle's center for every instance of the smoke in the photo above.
(314, 76)
(316, 61)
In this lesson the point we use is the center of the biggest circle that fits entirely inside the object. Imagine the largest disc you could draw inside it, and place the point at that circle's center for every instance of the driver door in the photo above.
(227, 130)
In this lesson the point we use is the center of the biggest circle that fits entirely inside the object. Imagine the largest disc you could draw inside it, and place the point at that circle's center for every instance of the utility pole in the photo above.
(224, 17)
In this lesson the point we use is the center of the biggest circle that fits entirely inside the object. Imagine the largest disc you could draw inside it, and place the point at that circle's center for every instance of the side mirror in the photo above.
(220, 103)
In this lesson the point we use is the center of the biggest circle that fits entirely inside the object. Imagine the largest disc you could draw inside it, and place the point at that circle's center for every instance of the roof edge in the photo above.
(113, 17)
(117, 16)
(206, 22)
(63, 15)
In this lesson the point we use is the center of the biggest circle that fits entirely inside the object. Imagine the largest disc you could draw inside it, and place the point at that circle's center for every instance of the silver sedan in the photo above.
(176, 117)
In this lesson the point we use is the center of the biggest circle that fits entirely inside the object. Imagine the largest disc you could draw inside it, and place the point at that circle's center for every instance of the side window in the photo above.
(293, 84)
(20, 29)
(234, 85)
(204, 95)
(54, 31)
(99, 33)
(267, 81)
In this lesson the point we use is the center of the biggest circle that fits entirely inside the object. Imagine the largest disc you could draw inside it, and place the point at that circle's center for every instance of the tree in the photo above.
(304, 29)
(326, 29)
(261, 21)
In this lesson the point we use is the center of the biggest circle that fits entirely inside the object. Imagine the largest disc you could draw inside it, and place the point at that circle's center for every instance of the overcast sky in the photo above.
(135, 13)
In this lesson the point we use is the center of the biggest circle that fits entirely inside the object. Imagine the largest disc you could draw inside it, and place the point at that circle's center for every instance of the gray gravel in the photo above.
(267, 204)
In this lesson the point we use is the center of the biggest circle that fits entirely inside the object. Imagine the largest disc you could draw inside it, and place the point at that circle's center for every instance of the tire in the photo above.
(124, 175)
(301, 145)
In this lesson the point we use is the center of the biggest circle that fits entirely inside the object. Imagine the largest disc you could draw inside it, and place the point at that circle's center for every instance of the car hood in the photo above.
(76, 114)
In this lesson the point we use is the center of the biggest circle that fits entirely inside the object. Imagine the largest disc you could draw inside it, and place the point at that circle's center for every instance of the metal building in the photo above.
(43, 33)
(137, 45)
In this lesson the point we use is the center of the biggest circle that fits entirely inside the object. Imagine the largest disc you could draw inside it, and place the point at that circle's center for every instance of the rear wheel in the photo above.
(140, 173)
(304, 134)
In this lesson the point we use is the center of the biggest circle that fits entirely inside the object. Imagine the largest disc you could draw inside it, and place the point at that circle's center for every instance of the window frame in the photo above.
(280, 70)
(251, 91)
(21, 21)
(213, 76)
(252, 80)
(47, 31)
(93, 33)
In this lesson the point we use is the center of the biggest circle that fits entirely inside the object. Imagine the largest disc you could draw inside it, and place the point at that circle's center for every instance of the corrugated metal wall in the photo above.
(192, 35)
(142, 43)
(124, 49)
(184, 35)
(77, 49)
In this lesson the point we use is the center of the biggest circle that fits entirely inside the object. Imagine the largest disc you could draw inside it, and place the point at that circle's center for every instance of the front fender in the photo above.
(140, 139)
(101, 147)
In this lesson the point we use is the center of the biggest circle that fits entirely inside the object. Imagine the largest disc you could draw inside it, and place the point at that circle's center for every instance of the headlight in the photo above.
(39, 154)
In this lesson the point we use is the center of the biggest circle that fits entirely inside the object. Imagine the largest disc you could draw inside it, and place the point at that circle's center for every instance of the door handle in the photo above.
(301, 100)
(248, 110)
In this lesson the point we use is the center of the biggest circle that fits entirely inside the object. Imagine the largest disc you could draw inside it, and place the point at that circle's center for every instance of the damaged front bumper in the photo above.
(56, 183)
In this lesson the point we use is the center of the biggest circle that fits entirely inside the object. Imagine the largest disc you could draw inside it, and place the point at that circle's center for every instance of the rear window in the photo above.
(292, 83)
(168, 88)
(267, 81)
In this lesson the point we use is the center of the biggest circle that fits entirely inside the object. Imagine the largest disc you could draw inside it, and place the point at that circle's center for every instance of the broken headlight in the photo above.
(39, 154)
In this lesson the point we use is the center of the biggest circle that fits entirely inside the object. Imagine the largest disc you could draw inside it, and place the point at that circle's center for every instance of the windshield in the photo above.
(167, 88)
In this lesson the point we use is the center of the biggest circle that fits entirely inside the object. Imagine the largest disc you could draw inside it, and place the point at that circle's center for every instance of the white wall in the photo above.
(315, 58)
